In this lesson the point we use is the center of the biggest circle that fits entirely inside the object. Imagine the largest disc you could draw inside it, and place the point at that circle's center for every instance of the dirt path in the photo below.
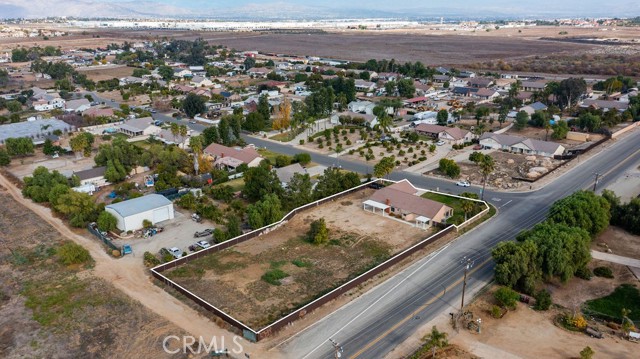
(129, 276)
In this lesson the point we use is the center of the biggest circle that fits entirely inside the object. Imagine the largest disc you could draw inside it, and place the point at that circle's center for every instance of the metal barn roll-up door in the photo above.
(160, 214)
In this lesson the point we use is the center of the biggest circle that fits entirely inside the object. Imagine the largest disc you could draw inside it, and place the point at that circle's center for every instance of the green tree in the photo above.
(318, 232)
(522, 118)
(81, 143)
(166, 72)
(543, 300)
(589, 121)
(435, 340)
(506, 297)
(106, 221)
(254, 122)
(569, 91)
(224, 131)
(442, 117)
(583, 209)
(41, 182)
(233, 227)
(384, 167)
(5, 159)
(259, 182)
(264, 108)
(302, 158)
(560, 130)
(193, 105)
(79, 208)
(71, 253)
(515, 263)
(449, 167)
(210, 135)
(19, 146)
(13, 106)
(265, 212)
(298, 192)
(467, 207)
(406, 88)
(333, 181)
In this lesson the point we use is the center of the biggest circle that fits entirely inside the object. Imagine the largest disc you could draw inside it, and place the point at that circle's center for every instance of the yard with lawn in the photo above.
(457, 205)
(626, 296)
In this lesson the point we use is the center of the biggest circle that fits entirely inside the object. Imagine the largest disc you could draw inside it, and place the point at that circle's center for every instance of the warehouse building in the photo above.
(131, 213)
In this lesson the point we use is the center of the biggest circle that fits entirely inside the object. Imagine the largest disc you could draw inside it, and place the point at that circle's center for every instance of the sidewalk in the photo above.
(631, 262)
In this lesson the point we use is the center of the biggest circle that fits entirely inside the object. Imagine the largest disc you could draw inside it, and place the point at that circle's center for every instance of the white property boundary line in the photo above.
(275, 225)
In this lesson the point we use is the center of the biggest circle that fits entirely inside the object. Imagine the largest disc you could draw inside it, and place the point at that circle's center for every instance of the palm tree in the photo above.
(175, 130)
(384, 122)
(487, 166)
(437, 340)
(183, 132)
(467, 207)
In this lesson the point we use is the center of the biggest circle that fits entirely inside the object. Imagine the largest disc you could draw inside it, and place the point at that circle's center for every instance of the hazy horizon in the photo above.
(307, 9)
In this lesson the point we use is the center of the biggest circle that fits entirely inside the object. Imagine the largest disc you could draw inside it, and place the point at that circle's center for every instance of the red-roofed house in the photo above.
(402, 200)
(231, 158)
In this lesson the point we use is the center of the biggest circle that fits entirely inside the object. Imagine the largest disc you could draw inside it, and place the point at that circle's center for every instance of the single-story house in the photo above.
(182, 73)
(139, 127)
(37, 130)
(441, 78)
(464, 91)
(48, 103)
(129, 80)
(519, 144)
(285, 174)
(258, 72)
(605, 105)
(94, 176)
(403, 200)
(231, 158)
(365, 86)
(486, 94)
(200, 81)
(361, 107)
(131, 213)
(369, 120)
(466, 74)
(453, 135)
(533, 86)
(480, 82)
(79, 105)
(532, 108)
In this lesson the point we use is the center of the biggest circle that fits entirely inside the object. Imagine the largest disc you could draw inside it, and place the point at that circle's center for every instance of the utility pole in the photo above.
(468, 263)
(595, 184)
(338, 350)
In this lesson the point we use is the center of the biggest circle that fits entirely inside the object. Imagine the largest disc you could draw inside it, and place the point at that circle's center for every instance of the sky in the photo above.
(243, 9)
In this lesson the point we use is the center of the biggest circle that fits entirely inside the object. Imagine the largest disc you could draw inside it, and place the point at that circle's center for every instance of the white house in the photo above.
(365, 86)
(365, 107)
(139, 127)
(200, 81)
(131, 213)
(519, 144)
(48, 103)
(369, 120)
(93, 176)
(79, 105)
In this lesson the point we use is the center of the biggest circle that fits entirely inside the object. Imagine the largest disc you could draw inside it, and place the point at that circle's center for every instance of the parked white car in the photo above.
(440, 143)
(463, 184)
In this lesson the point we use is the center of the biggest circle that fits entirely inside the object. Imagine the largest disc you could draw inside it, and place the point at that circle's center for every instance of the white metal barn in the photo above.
(130, 214)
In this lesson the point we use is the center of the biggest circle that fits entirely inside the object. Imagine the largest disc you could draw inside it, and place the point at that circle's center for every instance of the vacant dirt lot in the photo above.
(99, 73)
(49, 310)
(232, 279)
(620, 242)
(526, 333)
(429, 49)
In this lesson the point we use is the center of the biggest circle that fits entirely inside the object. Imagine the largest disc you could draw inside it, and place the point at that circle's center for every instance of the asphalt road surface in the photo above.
(374, 324)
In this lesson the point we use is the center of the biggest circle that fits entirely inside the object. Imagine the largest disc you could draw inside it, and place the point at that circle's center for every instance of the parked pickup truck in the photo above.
(205, 233)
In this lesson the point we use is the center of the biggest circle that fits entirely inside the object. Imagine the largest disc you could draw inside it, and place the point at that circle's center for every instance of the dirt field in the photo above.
(232, 279)
(99, 73)
(48, 310)
(508, 165)
(526, 333)
(619, 241)
(445, 48)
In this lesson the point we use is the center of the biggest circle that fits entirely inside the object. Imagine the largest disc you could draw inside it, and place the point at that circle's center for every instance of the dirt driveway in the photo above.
(129, 276)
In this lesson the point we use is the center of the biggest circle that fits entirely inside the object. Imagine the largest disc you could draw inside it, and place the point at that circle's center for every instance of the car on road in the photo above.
(153, 111)
(193, 121)
(463, 184)
(174, 251)
(440, 143)
(206, 232)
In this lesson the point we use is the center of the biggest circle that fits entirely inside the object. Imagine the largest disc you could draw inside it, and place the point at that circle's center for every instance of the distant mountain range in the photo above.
(308, 10)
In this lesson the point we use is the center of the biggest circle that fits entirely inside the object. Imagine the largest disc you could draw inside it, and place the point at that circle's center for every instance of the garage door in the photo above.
(160, 214)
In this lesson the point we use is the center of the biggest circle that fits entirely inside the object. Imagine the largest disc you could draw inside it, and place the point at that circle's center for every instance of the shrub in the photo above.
(274, 276)
(106, 221)
(150, 260)
(302, 142)
(584, 273)
(71, 253)
(318, 232)
(543, 300)
(352, 130)
(283, 160)
(507, 297)
(147, 223)
(343, 132)
(449, 167)
(578, 321)
(301, 263)
(605, 272)
(302, 158)
(496, 312)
